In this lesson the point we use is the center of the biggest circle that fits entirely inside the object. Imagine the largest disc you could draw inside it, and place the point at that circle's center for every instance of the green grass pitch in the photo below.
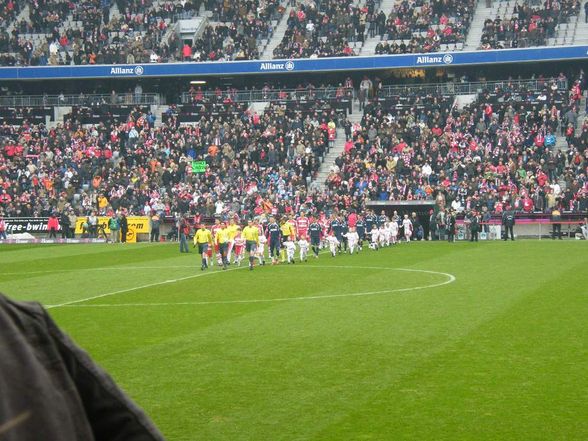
(500, 353)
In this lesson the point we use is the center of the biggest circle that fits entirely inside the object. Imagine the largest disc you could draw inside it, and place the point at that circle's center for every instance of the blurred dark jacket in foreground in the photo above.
(51, 390)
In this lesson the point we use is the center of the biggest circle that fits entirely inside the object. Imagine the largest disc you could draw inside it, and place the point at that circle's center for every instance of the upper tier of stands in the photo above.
(62, 32)
(526, 23)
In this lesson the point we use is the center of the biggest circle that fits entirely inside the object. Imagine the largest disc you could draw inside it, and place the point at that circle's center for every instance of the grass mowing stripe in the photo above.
(149, 285)
(450, 279)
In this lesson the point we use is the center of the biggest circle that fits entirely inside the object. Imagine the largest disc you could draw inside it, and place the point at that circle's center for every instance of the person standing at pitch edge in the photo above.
(556, 226)
(184, 232)
(508, 222)
(474, 226)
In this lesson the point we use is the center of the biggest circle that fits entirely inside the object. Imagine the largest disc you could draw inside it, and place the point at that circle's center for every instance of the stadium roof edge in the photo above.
(266, 67)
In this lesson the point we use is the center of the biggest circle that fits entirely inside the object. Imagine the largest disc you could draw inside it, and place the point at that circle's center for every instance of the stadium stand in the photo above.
(238, 31)
(56, 32)
(425, 27)
(526, 23)
(412, 143)
(323, 31)
(495, 152)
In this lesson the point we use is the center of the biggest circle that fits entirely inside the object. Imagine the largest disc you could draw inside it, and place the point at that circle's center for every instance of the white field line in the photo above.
(103, 268)
(450, 279)
(136, 288)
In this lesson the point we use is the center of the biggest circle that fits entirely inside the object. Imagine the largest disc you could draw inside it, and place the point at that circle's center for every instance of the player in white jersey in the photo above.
(333, 244)
(407, 225)
(261, 249)
(352, 240)
(290, 250)
(384, 236)
(239, 248)
(303, 245)
(394, 232)
(375, 238)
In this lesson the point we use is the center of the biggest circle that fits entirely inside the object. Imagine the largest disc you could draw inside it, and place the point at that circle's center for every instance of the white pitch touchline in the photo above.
(136, 288)
(450, 279)
(103, 268)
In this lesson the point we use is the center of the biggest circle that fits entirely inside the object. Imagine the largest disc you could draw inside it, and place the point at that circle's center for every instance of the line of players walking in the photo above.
(228, 242)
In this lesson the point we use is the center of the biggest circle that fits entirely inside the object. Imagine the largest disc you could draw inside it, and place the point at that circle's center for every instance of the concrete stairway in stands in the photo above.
(581, 34)
(258, 107)
(279, 31)
(477, 27)
(329, 161)
(369, 46)
(23, 15)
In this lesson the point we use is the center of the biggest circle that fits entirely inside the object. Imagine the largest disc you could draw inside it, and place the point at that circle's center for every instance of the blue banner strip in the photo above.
(298, 65)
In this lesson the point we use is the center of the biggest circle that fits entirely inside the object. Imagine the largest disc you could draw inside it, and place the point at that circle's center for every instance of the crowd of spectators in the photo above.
(254, 161)
(529, 25)
(134, 35)
(236, 32)
(324, 30)
(497, 152)
(422, 26)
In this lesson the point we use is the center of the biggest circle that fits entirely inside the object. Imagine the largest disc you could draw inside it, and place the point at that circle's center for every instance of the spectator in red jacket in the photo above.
(53, 226)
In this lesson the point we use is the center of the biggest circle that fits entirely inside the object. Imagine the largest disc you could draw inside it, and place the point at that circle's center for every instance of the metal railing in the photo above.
(276, 95)
(260, 95)
(79, 100)
(470, 88)
(330, 93)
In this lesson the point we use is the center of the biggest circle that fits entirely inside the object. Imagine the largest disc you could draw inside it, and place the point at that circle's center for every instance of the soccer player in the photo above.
(333, 243)
(382, 235)
(375, 237)
(251, 236)
(203, 239)
(344, 231)
(394, 232)
(315, 230)
(302, 224)
(353, 239)
(370, 220)
(303, 245)
(360, 229)
(214, 230)
(407, 224)
(290, 247)
(274, 234)
(233, 230)
(382, 219)
(222, 240)
(288, 233)
(238, 248)
(335, 229)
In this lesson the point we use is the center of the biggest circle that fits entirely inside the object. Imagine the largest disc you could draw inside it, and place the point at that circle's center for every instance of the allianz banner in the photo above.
(31, 225)
(137, 225)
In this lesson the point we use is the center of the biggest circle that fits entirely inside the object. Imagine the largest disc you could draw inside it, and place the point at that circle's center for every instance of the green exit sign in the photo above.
(198, 166)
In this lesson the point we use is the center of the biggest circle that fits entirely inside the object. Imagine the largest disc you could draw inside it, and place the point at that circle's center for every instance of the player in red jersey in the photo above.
(302, 224)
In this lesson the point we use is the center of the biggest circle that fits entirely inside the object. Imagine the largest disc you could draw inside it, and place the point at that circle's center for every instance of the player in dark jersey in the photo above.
(315, 231)
(344, 230)
(382, 219)
(370, 220)
(273, 237)
(360, 228)
(335, 228)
